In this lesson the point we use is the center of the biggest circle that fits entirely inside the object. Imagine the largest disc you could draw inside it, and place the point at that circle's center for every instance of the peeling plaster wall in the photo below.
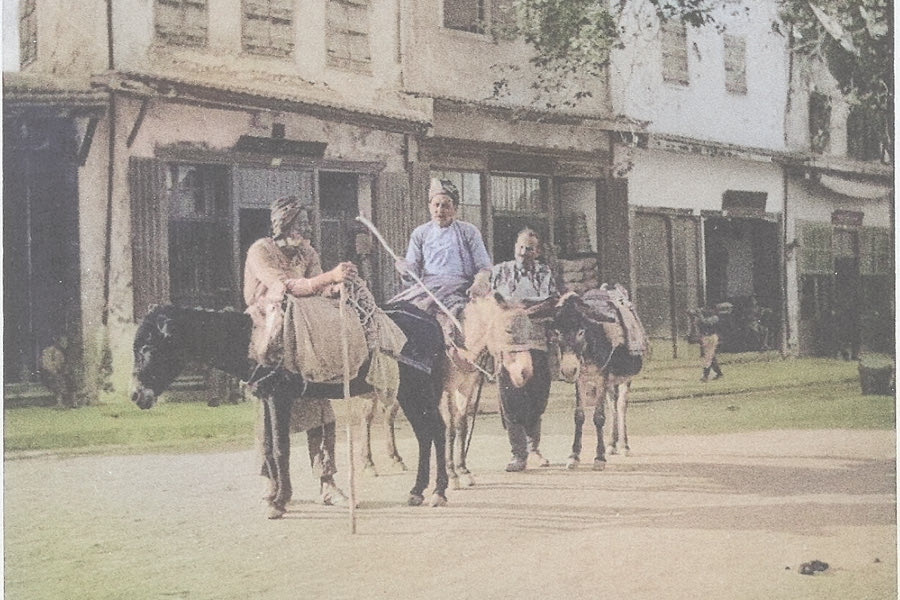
(450, 63)
(71, 42)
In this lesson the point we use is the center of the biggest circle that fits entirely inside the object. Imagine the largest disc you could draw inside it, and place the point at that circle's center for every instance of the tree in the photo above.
(854, 39)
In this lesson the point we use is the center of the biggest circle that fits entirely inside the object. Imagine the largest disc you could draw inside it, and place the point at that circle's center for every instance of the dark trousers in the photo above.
(523, 407)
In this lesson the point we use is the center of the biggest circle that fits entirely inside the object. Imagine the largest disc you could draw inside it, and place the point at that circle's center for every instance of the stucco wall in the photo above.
(667, 179)
(704, 109)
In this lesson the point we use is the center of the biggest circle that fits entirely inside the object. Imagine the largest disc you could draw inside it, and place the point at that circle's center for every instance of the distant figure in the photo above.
(708, 327)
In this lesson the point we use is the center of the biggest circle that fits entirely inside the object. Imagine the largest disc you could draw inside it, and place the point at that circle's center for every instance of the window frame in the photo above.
(335, 33)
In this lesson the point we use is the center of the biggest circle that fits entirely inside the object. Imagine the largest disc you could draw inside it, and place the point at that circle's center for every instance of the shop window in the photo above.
(674, 53)
(819, 122)
(268, 27)
(182, 22)
(27, 32)
(347, 35)
(465, 15)
(735, 64)
(200, 236)
(517, 202)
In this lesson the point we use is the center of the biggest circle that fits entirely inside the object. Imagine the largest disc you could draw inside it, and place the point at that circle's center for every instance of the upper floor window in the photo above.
(674, 53)
(347, 35)
(819, 122)
(268, 27)
(735, 64)
(182, 22)
(27, 32)
(465, 15)
(864, 129)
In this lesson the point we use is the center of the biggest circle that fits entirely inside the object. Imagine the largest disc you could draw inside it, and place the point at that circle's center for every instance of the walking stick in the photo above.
(345, 355)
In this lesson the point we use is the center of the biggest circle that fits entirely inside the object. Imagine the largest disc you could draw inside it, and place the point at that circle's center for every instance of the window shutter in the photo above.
(149, 233)
(465, 15)
(674, 53)
(182, 22)
(735, 64)
(395, 217)
(815, 249)
(874, 251)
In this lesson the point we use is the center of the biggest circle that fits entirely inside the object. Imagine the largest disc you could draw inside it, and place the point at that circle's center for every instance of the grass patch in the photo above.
(758, 392)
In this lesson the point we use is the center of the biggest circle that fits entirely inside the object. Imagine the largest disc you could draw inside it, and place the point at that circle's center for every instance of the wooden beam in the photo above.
(137, 122)
(85, 147)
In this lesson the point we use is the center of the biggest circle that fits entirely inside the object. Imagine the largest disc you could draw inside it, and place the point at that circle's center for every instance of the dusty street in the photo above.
(731, 516)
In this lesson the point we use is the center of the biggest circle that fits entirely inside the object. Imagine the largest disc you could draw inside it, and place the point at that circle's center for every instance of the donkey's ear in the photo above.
(499, 299)
(163, 323)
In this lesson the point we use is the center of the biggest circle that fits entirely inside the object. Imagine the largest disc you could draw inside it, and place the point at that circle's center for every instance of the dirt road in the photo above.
(729, 516)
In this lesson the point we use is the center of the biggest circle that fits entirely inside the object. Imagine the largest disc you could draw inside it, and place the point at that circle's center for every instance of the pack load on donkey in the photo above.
(602, 343)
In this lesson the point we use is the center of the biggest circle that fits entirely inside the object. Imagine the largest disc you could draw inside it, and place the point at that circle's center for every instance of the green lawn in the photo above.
(758, 392)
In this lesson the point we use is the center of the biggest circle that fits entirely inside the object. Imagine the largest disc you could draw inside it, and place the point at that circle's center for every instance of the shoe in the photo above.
(332, 495)
(718, 376)
(516, 465)
(704, 379)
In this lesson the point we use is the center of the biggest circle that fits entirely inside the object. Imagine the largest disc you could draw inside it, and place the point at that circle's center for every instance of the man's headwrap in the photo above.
(443, 187)
(283, 213)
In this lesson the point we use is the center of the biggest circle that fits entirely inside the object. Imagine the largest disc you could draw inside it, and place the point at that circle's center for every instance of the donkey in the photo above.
(170, 336)
(601, 360)
(491, 328)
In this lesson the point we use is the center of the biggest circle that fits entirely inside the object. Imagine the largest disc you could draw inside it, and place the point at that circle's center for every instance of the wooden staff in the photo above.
(415, 277)
(345, 355)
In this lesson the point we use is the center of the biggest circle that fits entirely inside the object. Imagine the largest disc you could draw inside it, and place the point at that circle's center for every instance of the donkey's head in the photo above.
(157, 356)
(582, 335)
(506, 332)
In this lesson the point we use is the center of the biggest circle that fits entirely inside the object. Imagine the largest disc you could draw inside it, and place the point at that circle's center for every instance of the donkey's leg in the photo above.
(600, 396)
(610, 429)
(621, 421)
(448, 416)
(390, 417)
(465, 419)
(368, 463)
(575, 457)
(438, 429)
(268, 470)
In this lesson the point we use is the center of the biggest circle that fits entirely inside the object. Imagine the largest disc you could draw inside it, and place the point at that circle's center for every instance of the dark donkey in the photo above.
(169, 337)
(601, 350)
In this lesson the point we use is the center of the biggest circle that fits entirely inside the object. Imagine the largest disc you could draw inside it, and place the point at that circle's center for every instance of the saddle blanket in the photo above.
(614, 303)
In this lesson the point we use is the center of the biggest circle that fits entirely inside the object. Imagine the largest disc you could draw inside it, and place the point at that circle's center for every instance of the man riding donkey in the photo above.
(290, 300)
(449, 257)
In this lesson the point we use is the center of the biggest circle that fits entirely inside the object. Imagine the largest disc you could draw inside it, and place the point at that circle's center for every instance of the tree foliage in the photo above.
(855, 40)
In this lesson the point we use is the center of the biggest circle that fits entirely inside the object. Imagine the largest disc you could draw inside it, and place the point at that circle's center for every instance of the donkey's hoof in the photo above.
(612, 450)
(437, 500)
(573, 462)
(415, 500)
(599, 464)
(398, 466)
(369, 471)
(454, 483)
(276, 511)
(468, 480)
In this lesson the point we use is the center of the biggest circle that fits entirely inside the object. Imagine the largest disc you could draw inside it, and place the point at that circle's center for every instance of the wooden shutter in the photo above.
(652, 278)
(735, 64)
(674, 53)
(613, 231)
(815, 248)
(182, 22)
(395, 217)
(149, 233)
